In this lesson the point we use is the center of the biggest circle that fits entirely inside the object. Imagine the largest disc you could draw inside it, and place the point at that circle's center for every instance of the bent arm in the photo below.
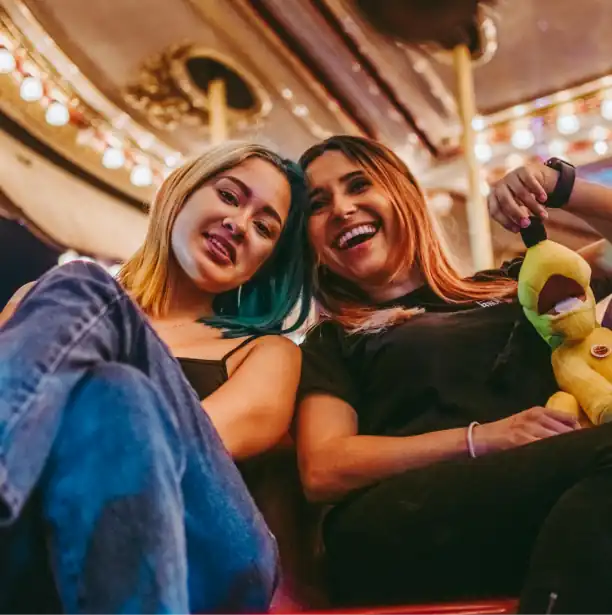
(593, 203)
(252, 411)
(591, 389)
(335, 461)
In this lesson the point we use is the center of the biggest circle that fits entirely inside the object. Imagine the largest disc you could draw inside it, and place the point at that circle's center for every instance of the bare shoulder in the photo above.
(280, 345)
(278, 351)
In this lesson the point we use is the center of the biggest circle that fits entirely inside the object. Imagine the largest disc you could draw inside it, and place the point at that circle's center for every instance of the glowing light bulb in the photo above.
(113, 158)
(557, 147)
(568, 124)
(173, 160)
(441, 203)
(31, 89)
(483, 152)
(57, 114)
(478, 123)
(7, 61)
(606, 108)
(300, 110)
(141, 176)
(601, 148)
(598, 133)
(523, 138)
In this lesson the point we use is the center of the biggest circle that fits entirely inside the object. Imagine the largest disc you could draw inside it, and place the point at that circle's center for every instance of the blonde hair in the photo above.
(147, 275)
(420, 243)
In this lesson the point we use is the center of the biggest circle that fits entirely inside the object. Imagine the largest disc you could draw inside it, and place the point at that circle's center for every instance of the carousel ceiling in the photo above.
(117, 95)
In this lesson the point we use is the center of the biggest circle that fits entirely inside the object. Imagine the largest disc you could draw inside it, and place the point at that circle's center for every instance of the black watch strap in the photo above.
(565, 184)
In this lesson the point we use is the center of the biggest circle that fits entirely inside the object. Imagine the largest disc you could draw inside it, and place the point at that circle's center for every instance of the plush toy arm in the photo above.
(565, 402)
(592, 390)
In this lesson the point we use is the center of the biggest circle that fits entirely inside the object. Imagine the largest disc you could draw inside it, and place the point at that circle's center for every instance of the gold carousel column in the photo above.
(217, 97)
(477, 212)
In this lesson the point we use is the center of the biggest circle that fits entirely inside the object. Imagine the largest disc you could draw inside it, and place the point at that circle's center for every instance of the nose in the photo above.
(236, 226)
(343, 207)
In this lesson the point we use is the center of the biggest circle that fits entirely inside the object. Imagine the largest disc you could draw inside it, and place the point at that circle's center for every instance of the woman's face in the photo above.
(228, 228)
(352, 225)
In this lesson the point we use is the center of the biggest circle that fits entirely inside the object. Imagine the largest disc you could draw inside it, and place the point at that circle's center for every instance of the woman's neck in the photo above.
(188, 302)
(400, 286)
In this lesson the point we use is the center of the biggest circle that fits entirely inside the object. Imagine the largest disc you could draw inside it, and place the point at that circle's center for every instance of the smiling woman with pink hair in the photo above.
(420, 415)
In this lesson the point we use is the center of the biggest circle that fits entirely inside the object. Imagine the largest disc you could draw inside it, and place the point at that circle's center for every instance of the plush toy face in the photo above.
(553, 288)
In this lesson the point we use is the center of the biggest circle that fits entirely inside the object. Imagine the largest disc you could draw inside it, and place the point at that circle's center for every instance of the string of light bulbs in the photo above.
(63, 107)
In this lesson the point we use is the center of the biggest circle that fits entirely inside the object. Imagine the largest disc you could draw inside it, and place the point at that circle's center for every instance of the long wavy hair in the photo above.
(420, 245)
(279, 289)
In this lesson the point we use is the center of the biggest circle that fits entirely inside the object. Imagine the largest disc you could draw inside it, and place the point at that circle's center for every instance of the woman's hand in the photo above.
(520, 194)
(522, 428)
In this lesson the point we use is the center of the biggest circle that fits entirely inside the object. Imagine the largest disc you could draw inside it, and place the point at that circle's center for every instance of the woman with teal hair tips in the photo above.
(125, 403)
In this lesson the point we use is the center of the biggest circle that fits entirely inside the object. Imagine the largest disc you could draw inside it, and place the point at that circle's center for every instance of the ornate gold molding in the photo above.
(166, 92)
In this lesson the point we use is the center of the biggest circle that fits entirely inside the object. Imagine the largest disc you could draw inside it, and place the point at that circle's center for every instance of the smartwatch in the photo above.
(565, 183)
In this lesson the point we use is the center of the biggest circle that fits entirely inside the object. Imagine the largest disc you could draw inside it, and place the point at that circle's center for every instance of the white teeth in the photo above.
(567, 305)
(364, 229)
(219, 245)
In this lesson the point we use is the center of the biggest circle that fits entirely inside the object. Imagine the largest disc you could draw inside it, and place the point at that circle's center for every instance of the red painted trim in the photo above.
(503, 606)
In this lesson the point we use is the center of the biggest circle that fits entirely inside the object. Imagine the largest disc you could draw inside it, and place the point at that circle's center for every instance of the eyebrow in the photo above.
(246, 190)
(343, 179)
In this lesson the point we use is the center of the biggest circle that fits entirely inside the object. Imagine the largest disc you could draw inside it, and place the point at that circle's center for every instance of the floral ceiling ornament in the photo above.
(171, 88)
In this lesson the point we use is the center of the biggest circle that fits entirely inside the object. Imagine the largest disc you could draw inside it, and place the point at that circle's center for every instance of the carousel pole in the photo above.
(477, 211)
(217, 97)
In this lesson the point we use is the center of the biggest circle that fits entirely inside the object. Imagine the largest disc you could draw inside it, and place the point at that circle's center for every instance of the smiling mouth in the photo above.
(356, 236)
(222, 250)
(560, 295)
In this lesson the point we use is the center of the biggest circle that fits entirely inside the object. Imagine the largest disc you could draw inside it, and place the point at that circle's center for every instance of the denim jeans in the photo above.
(116, 492)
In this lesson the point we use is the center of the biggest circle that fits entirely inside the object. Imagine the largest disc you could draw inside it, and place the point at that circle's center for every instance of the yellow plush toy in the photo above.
(554, 291)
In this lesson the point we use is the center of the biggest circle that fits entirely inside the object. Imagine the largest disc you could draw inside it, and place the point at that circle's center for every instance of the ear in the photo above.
(534, 233)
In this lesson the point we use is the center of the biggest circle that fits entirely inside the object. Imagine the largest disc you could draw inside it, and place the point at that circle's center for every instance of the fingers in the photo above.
(528, 203)
(534, 186)
(515, 198)
(500, 216)
(561, 417)
(559, 426)
(541, 431)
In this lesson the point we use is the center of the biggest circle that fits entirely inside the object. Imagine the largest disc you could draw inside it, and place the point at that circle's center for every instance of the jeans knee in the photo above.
(79, 282)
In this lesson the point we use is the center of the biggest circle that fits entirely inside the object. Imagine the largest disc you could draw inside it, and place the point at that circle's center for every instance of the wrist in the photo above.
(551, 177)
(480, 439)
(469, 438)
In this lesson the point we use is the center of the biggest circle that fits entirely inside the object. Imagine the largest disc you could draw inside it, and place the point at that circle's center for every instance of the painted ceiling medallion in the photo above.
(172, 88)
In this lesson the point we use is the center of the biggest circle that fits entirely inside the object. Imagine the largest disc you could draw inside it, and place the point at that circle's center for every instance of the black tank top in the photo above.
(207, 375)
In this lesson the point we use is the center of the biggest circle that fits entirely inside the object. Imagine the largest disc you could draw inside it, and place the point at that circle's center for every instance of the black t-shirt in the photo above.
(444, 368)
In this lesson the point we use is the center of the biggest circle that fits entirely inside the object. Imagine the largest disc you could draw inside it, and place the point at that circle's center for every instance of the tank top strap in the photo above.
(242, 344)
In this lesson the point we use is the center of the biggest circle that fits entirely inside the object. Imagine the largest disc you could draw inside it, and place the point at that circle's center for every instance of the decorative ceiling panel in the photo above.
(544, 46)
(111, 41)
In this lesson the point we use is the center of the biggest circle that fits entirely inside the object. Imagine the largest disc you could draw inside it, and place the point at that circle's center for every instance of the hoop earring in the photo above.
(239, 298)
